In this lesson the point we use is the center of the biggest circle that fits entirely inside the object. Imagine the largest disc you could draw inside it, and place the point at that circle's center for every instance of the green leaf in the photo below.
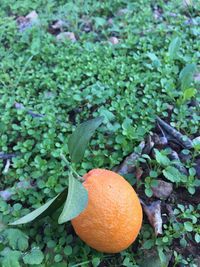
(155, 60)
(148, 244)
(10, 258)
(174, 47)
(46, 209)
(96, 261)
(186, 76)
(161, 158)
(197, 237)
(80, 137)
(76, 202)
(16, 239)
(196, 143)
(68, 250)
(189, 93)
(154, 258)
(172, 174)
(183, 242)
(35, 256)
(148, 192)
(188, 226)
(100, 21)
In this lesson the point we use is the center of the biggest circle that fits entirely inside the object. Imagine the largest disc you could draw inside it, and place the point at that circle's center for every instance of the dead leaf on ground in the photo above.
(170, 212)
(178, 164)
(114, 40)
(148, 146)
(6, 194)
(197, 77)
(122, 11)
(159, 141)
(197, 168)
(6, 156)
(153, 212)
(110, 21)
(30, 112)
(86, 24)
(180, 138)
(27, 21)
(7, 166)
(162, 190)
(66, 36)
(157, 13)
(59, 25)
(129, 163)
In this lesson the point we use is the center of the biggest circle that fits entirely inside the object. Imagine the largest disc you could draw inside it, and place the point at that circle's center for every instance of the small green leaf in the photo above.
(161, 158)
(196, 143)
(173, 174)
(165, 239)
(183, 242)
(16, 238)
(80, 137)
(46, 209)
(10, 258)
(148, 244)
(188, 226)
(174, 47)
(163, 257)
(100, 21)
(76, 202)
(191, 190)
(35, 256)
(148, 192)
(189, 93)
(197, 237)
(186, 76)
(96, 261)
(68, 250)
(155, 60)
(58, 258)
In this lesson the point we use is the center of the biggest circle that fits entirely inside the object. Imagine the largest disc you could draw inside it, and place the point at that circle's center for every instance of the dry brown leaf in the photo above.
(110, 21)
(59, 25)
(27, 21)
(159, 141)
(66, 36)
(197, 77)
(148, 146)
(114, 40)
(129, 163)
(163, 190)
(32, 16)
(153, 212)
(178, 164)
(6, 194)
(7, 166)
(157, 13)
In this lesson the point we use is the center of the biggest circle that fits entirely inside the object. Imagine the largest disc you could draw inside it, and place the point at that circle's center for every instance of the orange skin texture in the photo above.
(113, 218)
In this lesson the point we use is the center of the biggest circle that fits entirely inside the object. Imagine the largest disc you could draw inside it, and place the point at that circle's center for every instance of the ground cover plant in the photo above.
(136, 64)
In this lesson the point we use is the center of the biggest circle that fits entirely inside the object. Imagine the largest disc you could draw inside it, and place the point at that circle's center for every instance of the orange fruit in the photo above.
(113, 218)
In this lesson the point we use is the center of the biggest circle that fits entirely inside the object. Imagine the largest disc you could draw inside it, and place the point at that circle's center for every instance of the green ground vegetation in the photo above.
(147, 73)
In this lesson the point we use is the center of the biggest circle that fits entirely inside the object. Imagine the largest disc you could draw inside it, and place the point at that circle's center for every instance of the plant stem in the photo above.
(71, 168)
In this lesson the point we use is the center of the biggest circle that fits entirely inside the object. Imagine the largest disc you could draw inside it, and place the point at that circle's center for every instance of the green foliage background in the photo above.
(128, 83)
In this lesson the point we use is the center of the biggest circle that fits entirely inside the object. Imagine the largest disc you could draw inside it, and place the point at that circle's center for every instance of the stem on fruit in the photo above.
(71, 168)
